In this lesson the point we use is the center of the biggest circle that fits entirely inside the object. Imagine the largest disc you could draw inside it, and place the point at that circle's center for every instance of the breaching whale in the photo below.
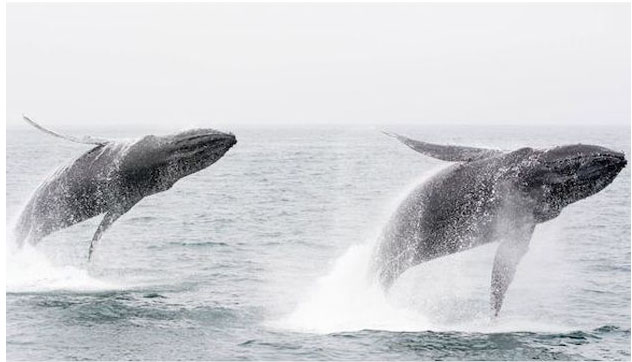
(489, 195)
(113, 176)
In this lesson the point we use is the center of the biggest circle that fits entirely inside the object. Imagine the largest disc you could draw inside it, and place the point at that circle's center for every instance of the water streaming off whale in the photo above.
(266, 256)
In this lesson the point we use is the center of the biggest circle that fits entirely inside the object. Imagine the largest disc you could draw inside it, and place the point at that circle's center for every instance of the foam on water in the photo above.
(30, 270)
(347, 299)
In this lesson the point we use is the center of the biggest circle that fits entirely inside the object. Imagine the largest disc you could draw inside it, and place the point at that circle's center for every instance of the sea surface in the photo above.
(264, 256)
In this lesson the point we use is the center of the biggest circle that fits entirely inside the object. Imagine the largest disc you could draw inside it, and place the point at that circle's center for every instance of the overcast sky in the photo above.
(360, 64)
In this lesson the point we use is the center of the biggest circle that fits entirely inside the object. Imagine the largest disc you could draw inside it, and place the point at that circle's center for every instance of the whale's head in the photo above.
(160, 161)
(562, 175)
(195, 150)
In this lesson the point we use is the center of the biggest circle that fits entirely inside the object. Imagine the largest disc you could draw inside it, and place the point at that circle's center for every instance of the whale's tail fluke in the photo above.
(84, 140)
(446, 153)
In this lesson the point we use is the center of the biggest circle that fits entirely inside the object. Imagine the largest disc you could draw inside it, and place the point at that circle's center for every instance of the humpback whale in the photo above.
(488, 195)
(113, 176)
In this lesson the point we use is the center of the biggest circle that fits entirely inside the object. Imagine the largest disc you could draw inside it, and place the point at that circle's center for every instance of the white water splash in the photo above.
(347, 299)
(30, 270)
(446, 294)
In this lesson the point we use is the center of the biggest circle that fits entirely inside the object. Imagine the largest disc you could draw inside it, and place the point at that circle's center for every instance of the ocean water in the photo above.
(264, 256)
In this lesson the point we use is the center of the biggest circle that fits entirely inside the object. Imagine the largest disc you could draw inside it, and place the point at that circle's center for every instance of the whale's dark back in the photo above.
(459, 208)
(73, 193)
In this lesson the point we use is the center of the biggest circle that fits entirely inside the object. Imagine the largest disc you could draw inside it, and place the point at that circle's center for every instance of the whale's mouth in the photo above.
(590, 176)
(194, 150)
(200, 145)
(199, 139)
(568, 174)
(601, 167)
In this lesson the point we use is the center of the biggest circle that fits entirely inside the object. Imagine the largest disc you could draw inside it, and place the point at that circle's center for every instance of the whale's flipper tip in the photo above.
(84, 140)
(445, 152)
(395, 135)
(29, 120)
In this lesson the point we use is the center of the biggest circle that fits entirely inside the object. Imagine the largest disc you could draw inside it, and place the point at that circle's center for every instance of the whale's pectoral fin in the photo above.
(508, 255)
(447, 153)
(85, 139)
(109, 219)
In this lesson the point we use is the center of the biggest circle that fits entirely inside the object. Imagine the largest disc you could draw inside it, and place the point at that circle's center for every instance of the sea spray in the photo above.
(346, 300)
(445, 294)
(349, 298)
(29, 270)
